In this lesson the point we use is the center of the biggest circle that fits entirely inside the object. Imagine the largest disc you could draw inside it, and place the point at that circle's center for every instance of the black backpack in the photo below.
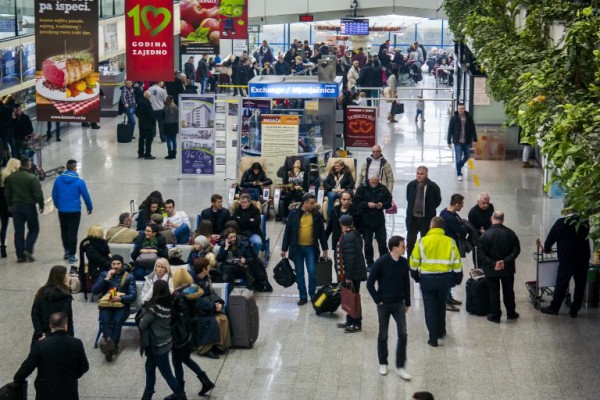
(284, 274)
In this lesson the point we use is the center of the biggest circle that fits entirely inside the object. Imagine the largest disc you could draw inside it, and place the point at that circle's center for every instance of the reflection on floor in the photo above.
(299, 355)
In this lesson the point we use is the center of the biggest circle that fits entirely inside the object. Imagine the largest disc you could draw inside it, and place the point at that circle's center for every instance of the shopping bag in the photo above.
(397, 108)
(351, 301)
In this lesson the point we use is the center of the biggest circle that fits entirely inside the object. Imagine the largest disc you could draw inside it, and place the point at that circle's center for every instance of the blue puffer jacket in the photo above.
(67, 190)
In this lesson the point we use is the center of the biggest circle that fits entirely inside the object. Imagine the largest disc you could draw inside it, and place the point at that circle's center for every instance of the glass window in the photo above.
(106, 8)
(274, 35)
(25, 17)
(120, 7)
(405, 38)
(448, 36)
(318, 36)
(7, 19)
(300, 31)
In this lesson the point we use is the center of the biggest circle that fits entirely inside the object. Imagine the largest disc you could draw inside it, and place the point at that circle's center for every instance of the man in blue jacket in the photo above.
(66, 193)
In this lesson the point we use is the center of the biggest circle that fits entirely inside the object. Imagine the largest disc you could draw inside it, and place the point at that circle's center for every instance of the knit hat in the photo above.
(201, 240)
(346, 220)
(117, 257)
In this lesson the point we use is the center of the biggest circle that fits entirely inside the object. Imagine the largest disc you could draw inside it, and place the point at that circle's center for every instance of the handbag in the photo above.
(105, 300)
(146, 260)
(351, 301)
(397, 108)
(393, 209)
(284, 274)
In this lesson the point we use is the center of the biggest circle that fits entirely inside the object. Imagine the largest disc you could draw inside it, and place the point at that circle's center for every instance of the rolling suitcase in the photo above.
(124, 133)
(327, 299)
(324, 268)
(478, 296)
(243, 317)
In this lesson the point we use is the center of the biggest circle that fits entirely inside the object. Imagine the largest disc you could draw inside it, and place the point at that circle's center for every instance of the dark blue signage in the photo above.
(314, 90)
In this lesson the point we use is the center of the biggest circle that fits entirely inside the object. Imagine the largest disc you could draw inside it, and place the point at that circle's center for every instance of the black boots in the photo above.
(3, 251)
(172, 155)
(207, 385)
(147, 395)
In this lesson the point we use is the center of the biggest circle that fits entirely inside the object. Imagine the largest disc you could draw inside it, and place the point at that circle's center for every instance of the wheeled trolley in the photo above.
(545, 277)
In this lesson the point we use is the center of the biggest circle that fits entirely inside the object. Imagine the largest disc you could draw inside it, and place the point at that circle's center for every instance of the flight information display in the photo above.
(353, 26)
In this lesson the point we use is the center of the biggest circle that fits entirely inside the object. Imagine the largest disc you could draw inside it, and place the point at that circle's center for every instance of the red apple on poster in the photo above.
(186, 28)
(193, 12)
(212, 24)
(214, 38)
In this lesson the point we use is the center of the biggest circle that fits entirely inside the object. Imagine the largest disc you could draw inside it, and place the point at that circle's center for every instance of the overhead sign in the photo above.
(306, 18)
(149, 35)
(314, 90)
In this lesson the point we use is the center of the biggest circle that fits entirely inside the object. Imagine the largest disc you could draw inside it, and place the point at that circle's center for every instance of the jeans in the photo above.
(162, 362)
(171, 142)
(69, 225)
(380, 236)
(462, 151)
(25, 213)
(256, 243)
(419, 112)
(331, 197)
(131, 118)
(306, 254)
(355, 321)
(253, 192)
(563, 276)
(384, 311)
(203, 84)
(160, 119)
(434, 288)
(180, 357)
(508, 295)
(418, 225)
(145, 143)
(182, 234)
(139, 273)
(112, 320)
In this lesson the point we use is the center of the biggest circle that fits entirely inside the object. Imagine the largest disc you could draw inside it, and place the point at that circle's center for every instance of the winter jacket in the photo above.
(206, 253)
(453, 227)
(352, 76)
(573, 245)
(281, 68)
(435, 253)
(67, 190)
(498, 243)
(333, 223)
(367, 194)
(249, 177)
(346, 183)
(97, 253)
(128, 289)
(292, 228)
(218, 218)
(248, 220)
(140, 242)
(149, 285)
(386, 175)
(157, 319)
(22, 186)
(242, 249)
(352, 256)
(145, 114)
(121, 234)
(433, 199)
(207, 328)
(366, 76)
(454, 129)
(184, 316)
(393, 283)
(50, 301)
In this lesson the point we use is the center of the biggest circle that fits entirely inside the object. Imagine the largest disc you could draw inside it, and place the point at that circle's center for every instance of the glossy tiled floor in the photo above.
(299, 355)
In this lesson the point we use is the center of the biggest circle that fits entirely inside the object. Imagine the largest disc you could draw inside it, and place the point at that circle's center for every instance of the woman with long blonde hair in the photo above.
(12, 166)
(171, 127)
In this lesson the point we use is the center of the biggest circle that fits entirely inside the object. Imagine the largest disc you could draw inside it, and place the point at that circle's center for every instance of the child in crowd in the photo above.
(202, 249)
(362, 99)
(420, 108)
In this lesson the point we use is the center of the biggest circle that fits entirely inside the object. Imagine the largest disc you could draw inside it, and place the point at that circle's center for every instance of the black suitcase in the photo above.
(124, 133)
(243, 317)
(324, 269)
(478, 296)
(327, 299)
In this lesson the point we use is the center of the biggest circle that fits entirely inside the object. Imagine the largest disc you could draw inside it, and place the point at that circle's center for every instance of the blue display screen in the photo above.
(354, 26)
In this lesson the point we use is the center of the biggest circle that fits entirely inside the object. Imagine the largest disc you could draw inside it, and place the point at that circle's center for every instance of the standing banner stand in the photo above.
(361, 127)
(227, 123)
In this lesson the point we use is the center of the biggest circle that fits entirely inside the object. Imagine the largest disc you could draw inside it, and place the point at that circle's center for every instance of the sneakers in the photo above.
(548, 310)
(342, 325)
(28, 256)
(72, 260)
(383, 369)
(460, 178)
(352, 329)
(452, 307)
(403, 374)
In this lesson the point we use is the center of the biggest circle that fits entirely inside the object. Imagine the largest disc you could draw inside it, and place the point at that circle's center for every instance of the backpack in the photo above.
(284, 274)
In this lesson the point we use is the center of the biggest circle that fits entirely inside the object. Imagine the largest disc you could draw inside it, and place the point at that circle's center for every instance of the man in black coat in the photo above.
(372, 200)
(21, 127)
(498, 249)
(60, 360)
(423, 197)
(570, 234)
(248, 219)
(351, 263)
(217, 214)
(461, 134)
(147, 122)
(480, 216)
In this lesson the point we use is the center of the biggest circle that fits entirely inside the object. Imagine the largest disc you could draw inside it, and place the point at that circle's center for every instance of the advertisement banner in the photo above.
(234, 19)
(149, 36)
(279, 140)
(66, 61)
(197, 134)
(200, 27)
(361, 126)
(252, 110)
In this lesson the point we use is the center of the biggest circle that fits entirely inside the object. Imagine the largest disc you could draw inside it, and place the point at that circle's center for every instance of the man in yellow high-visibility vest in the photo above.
(435, 264)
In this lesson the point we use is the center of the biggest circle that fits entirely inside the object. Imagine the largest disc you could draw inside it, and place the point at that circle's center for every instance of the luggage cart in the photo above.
(545, 277)
(33, 151)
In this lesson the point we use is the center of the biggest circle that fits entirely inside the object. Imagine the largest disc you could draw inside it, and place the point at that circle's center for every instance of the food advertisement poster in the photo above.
(67, 81)
(200, 26)
(197, 134)
(361, 126)
(233, 16)
(279, 140)
(10, 67)
(149, 37)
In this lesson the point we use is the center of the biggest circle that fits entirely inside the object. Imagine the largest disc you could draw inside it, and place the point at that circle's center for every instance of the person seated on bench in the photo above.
(158, 219)
(213, 335)
(234, 256)
(122, 233)
(248, 218)
(162, 271)
(339, 180)
(178, 222)
(149, 206)
(216, 214)
(202, 249)
(146, 250)
(112, 318)
(94, 254)
(253, 181)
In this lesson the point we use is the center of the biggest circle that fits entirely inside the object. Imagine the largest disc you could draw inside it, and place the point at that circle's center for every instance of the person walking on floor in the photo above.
(67, 191)
(158, 97)
(171, 127)
(12, 165)
(147, 121)
(392, 296)
(23, 191)
(461, 134)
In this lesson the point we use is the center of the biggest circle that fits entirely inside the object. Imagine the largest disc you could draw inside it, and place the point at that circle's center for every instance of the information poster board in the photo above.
(361, 126)
(279, 140)
(67, 80)
(197, 134)
(251, 108)
(480, 96)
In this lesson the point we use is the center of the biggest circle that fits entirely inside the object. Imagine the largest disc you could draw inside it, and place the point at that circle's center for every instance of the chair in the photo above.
(351, 163)
(244, 164)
